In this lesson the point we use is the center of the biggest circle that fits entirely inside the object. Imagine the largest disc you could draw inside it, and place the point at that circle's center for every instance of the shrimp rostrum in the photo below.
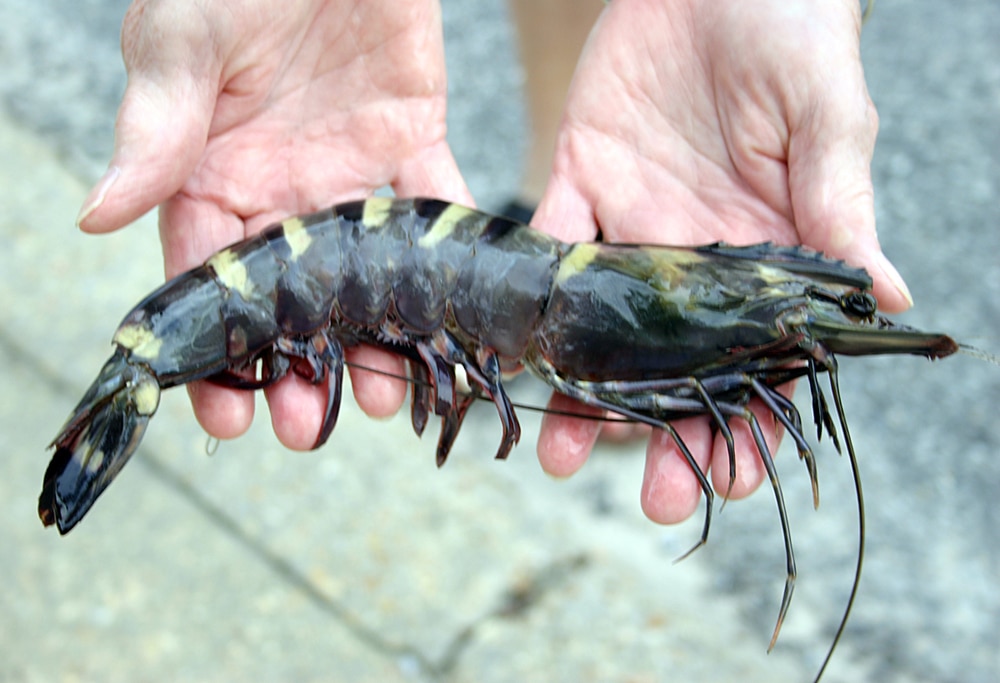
(653, 333)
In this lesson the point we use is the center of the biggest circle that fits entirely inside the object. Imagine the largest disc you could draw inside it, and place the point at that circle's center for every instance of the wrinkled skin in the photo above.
(234, 119)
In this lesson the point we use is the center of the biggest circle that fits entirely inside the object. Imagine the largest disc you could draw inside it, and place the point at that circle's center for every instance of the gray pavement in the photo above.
(363, 562)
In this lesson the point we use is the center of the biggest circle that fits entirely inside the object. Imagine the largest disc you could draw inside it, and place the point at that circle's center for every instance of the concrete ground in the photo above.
(364, 562)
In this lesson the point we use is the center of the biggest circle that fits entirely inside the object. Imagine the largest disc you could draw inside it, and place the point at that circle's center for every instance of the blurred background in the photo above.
(362, 561)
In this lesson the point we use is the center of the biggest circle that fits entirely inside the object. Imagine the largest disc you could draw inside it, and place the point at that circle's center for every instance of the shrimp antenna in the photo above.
(979, 353)
(831, 366)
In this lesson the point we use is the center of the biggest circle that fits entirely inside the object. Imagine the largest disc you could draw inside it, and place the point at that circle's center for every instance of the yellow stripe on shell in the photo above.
(445, 225)
(576, 261)
(146, 396)
(296, 236)
(231, 272)
(140, 340)
(669, 265)
(376, 211)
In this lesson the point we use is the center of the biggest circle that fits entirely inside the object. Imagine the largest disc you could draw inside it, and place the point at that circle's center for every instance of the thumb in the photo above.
(159, 138)
(832, 198)
(162, 126)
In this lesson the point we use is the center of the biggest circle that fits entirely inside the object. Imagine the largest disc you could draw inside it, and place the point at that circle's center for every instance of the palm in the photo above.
(695, 130)
(697, 125)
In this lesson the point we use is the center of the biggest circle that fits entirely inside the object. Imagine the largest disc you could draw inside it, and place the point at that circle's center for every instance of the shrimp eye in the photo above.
(859, 304)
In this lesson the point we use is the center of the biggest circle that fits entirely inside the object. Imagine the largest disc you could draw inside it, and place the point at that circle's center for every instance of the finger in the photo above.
(670, 490)
(377, 394)
(223, 413)
(565, 442)
(832, 197)
(297, 410)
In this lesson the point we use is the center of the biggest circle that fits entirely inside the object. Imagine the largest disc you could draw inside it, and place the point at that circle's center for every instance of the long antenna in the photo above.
(856, 473)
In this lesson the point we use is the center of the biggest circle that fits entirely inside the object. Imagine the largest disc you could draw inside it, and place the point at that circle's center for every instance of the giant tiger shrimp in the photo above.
(652, 333)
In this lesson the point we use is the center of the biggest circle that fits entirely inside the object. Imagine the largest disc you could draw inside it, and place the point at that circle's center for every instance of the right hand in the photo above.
(239, 114)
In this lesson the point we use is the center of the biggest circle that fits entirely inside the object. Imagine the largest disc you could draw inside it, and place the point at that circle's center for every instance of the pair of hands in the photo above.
(688, 121)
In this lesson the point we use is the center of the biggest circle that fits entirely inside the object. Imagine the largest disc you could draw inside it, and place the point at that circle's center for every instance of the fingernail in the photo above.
(896, 279)
(98, 193)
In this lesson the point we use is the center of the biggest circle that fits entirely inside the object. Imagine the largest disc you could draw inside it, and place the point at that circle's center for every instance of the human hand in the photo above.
(694, 121)
(237, 115)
